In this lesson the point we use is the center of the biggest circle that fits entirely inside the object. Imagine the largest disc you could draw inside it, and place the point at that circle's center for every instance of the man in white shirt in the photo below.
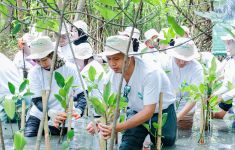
(225, 93)
(182, 68)
(42, 50)
(141, 86)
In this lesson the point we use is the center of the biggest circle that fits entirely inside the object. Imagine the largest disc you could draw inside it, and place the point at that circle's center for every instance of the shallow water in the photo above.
(222, 137)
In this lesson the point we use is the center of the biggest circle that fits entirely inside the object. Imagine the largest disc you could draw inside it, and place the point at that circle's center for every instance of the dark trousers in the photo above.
(32, 126)
(132, 139)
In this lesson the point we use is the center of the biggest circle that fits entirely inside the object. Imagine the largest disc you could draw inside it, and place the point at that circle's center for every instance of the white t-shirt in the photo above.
(229, 76)
(19, 62)
(66, 53)
(39, 80)
(192, 73)
(8, 73)
(146, 82)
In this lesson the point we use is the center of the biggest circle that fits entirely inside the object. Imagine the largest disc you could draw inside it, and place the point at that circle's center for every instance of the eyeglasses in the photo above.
(127, 90)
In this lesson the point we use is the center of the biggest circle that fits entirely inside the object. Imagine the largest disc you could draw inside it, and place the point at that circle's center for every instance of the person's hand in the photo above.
(59, 119)
(105, 130)
(76, 115)
(91, 128)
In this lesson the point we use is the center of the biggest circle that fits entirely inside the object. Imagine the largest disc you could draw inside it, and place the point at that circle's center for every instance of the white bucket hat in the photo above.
(28, 38)
(152, 32)
(186, 52)
(117, 44)
(41, 47)
(228, 36)
(127, 31)
(81, 25)
(83, 51)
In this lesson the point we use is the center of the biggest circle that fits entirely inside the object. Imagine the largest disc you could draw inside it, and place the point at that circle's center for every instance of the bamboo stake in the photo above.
(22, 123)
(201, 140)
(1, 136)
(70, 113)
(159, 130)
(46, 130)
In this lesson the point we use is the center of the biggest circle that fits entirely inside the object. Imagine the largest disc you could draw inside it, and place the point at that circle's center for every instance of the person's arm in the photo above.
(80, 103)
(228, 95)
(187, 108)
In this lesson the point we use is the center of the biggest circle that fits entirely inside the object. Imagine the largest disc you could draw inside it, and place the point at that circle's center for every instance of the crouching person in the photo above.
(141, 87)
(42, 50)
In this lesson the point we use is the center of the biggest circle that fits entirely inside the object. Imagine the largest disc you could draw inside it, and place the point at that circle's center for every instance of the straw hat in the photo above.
(41, 47)
(81, 25)
(116, 44)
(127, 31)
(83, 51)
(152, 32)
(186, 52)
(228, 36)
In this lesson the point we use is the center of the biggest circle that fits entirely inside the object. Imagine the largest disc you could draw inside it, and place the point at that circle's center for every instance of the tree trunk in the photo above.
(80, 8)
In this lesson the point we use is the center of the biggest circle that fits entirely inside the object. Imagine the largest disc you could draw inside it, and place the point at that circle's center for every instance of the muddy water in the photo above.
(222, 137)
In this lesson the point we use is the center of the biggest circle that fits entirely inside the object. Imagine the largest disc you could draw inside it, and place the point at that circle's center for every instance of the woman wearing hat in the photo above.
(184, 69)
(42, 50)
(142, 95)
(224, 92)
(20, 60)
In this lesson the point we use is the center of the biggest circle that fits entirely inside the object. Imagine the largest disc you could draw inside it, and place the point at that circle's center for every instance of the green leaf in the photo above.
(171, 20)
(61, 100)
(106, 12)
(70, 134)
(146, 126)
(106, 93)
(155, 125)
(98, 105)
(122, 118)
(100, 76)
(62, 93)
(213, 101)
(59, 79)
(122, 103)
(23, 85)
(164, 118)
(3, 10)
(228, 102)
(19, 140)
(9, 107)
(202, 88)
(213, 67)
(230, 85)
(11, 87)
(28, 94)
(16, 28)
(92, 73)
(135, 1)
(68, 83)
(109, 2)
(112, 100)
(194, 88)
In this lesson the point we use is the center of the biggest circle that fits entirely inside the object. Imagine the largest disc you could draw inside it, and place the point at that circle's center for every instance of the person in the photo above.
(42, 51)
(64, 47)
(183, 69)
(8, 73)
(225, 93)
(135, 37)
(142, 95)
(151, 44)
(20, 60)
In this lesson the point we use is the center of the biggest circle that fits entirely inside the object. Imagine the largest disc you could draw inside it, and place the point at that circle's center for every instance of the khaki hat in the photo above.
(186, 52)
(116, 44)
(41, 47)
(152, 32)
(81, 25)
(127, 31)
(83, 51)
(228, 36)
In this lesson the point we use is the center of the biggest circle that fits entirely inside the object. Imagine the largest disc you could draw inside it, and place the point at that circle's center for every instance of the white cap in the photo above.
(40, 48)
(186, 52)
(117, 44)
(83, 51)
(152, 32)
(81, 25)
(127, 32)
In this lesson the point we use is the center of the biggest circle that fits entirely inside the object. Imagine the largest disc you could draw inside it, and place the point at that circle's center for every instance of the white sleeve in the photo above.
(229, 95)
(34, 83)
(77, 82)
(152, 88)
(197, 77)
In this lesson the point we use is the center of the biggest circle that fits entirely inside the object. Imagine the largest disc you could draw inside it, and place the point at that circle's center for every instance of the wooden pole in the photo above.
(202, 124)
(159, 130)
(46, 130)
(22, 123)
(70, 113)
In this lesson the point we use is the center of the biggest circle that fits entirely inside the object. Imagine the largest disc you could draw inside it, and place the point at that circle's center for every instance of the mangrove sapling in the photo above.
(105, 104)
(63, 95)
(154, 131)
(46, 130)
